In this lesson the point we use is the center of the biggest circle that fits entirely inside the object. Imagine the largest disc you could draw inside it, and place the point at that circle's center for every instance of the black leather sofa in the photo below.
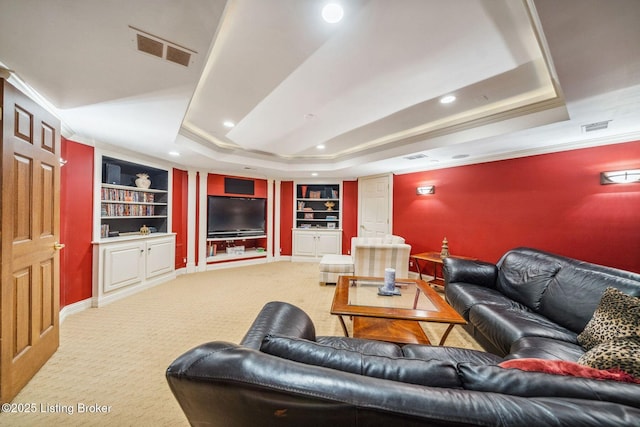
(281, 374)
(531, 304)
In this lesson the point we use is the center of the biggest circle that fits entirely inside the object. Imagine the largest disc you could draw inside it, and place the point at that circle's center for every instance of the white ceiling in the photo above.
(527, 76)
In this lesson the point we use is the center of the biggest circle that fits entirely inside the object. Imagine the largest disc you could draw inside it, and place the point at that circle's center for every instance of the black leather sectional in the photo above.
(530, 304)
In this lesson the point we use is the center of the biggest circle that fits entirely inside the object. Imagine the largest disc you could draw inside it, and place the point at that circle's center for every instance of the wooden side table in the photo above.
(435, 260)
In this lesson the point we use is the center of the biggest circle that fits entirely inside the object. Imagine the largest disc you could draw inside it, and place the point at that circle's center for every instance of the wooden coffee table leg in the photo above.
(415, 300)
(446, 334)
(344, 327)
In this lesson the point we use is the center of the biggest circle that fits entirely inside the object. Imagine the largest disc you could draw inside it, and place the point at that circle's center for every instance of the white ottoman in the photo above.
(332, 266)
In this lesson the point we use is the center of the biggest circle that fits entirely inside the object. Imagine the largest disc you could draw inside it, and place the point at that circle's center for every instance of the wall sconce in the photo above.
(620, 177)
(427, 189)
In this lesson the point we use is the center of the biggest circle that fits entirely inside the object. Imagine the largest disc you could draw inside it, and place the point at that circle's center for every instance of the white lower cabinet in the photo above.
(123, 266)
(160, 257)
(316, 243)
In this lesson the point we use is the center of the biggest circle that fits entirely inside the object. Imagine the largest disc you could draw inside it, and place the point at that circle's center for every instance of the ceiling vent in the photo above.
(415, 156)
(591, 127)
(161, 48)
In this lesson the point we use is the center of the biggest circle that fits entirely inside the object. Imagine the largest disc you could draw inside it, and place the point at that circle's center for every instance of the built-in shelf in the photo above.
(221, 248)
(125, 207)
(317, 206)
(248, 253)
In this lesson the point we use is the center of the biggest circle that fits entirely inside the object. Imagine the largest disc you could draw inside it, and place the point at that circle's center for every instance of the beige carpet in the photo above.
(116, 356)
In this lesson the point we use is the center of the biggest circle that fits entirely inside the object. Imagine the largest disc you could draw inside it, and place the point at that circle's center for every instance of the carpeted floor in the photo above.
(109, 369)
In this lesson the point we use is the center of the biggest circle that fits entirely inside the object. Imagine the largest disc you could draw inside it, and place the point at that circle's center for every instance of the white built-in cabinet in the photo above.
(129, 264)
(316, 243)
(125, 258)
(317, 220)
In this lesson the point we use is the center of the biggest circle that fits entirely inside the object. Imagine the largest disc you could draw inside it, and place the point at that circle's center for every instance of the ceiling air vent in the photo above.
(415, 156)
(595, 126)
(178, 56)
(161, 48)
(150, 46)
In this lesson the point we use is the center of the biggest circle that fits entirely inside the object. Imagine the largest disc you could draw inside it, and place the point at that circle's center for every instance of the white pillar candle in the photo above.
(389, 279)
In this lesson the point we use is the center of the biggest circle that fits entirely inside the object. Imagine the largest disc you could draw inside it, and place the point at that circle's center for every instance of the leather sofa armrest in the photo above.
(279, 318)
(469, 271)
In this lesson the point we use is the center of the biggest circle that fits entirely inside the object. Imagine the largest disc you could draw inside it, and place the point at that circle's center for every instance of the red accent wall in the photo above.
(179, 215)
(349, 213)
(286, 218)
(215, 186)
(76, 222)
(552, 202)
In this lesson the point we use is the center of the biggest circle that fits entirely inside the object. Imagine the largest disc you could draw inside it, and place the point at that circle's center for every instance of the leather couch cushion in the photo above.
(462, 296)
(617, 316)
(372, 347)
(435, 373)
(620, 353)
(545, 348)
(572, 297)
(452, 354)
(503, 326)
(536, 384)
(524, 277)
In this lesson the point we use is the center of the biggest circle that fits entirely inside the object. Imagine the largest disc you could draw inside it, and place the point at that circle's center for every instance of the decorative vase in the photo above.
(143, 181)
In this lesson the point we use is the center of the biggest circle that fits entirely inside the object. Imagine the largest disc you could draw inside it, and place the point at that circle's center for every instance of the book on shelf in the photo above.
(121, 195)
(117, 209)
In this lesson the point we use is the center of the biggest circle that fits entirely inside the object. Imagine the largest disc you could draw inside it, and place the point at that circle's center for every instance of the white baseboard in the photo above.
(74, 308)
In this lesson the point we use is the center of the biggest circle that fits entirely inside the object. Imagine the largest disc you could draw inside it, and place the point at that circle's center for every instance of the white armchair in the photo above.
(371, 255)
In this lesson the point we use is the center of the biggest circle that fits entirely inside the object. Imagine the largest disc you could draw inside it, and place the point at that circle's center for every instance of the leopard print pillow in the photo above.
(617, 316)
(619, 353)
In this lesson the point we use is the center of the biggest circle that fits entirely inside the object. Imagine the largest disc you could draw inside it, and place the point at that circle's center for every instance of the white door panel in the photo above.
(375, 206)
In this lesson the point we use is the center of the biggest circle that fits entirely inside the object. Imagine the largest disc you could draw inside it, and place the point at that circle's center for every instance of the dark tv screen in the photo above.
(235, 216)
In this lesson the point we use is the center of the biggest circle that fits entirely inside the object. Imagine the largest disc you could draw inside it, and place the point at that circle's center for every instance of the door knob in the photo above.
(57, 246)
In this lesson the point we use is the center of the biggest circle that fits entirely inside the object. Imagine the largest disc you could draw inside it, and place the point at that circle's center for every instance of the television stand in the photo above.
(217, 248)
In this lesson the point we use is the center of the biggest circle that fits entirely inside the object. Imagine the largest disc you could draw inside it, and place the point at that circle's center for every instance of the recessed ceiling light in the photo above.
(447, 99)
(320, 146)
(314, 173)
(228, 124)
(174, 153)
(460, 156)
(332, 13)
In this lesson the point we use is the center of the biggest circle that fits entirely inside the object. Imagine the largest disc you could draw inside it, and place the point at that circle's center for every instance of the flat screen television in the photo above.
(235, 217)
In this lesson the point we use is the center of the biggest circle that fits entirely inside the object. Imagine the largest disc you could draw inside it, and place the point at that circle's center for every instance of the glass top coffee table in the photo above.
(391, 318)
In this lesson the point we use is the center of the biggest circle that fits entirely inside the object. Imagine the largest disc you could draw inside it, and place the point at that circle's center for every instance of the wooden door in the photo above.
(29, 298)
(375, 206)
